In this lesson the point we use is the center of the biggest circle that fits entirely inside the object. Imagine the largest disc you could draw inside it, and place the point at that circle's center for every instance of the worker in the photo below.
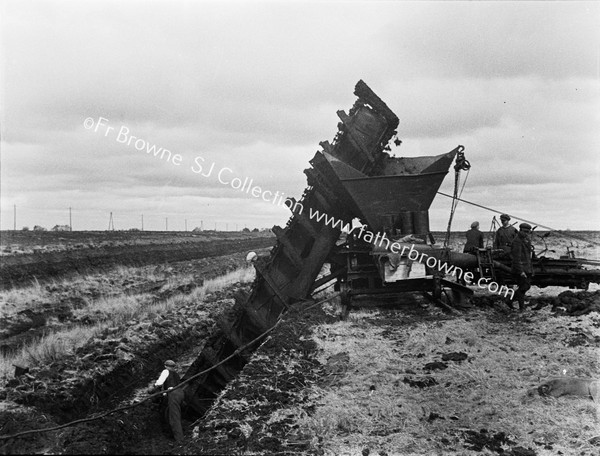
(522, 269)
(474, 239)
(171, 408)
(505, 235)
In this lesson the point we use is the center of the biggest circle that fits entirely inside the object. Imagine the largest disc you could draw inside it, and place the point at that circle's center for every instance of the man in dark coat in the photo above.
(522, 270)
(168, 380)
(474, 239)
(505, 235)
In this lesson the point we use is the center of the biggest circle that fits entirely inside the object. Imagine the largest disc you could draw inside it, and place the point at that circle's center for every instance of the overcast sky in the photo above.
(254, 87)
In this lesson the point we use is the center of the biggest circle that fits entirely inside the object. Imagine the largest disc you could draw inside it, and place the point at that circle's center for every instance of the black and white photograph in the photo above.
(268, 227)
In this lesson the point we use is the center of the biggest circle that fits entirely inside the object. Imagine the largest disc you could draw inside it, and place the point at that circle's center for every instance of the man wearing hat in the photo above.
(521, 254)
(168, 377)
(171, 407)
(474, 239)
(505, 235)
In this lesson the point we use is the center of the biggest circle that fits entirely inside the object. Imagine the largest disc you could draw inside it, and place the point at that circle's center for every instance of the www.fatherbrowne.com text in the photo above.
(381, 240)
(226, 176)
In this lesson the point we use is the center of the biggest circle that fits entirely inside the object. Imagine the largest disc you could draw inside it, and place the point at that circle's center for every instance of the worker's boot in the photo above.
(521, 304)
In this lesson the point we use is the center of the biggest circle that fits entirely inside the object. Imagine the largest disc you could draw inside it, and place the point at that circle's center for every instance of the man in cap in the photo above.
(505, 235)
(251, 257)
(521, 254)
(168, 377)
(474, 239)
(171, 407)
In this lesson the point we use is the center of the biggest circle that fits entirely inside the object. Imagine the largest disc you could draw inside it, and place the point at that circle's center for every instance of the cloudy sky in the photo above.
(253, 87)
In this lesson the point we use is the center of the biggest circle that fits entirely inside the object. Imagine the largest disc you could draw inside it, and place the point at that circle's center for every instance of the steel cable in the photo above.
(130, 406)
(563, 233)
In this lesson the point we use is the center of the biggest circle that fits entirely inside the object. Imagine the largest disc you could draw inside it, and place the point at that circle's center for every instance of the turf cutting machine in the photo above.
(383, 204)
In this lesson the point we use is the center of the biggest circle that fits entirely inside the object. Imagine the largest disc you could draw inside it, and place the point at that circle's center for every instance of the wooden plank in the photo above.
(231, 334)
(321, 188)
(289, 250)
(262, 271)
(303, 220)
(326, 191)
(355, 139)
(325, 204)
(227, 372)
(250, 319)
(327, 278)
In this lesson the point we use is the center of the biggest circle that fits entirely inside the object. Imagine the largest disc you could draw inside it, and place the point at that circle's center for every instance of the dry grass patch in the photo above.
(87, 286)
(372, 405)
(109, 312)
(15, 300)
(49, 348)
(116, 310)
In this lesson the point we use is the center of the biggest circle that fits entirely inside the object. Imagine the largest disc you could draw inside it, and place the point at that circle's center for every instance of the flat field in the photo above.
(24, 242)
(30, 255)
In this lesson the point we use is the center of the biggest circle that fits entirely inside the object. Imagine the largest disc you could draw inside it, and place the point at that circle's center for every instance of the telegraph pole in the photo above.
(15, 217)
(142, 222)
(201, 225)
(186, 225)
(70, 220)
(111, 223)
(166, 223)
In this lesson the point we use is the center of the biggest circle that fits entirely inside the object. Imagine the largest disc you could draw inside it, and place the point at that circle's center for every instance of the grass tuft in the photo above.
(49, 348)
(372, 407)
(110, 312)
